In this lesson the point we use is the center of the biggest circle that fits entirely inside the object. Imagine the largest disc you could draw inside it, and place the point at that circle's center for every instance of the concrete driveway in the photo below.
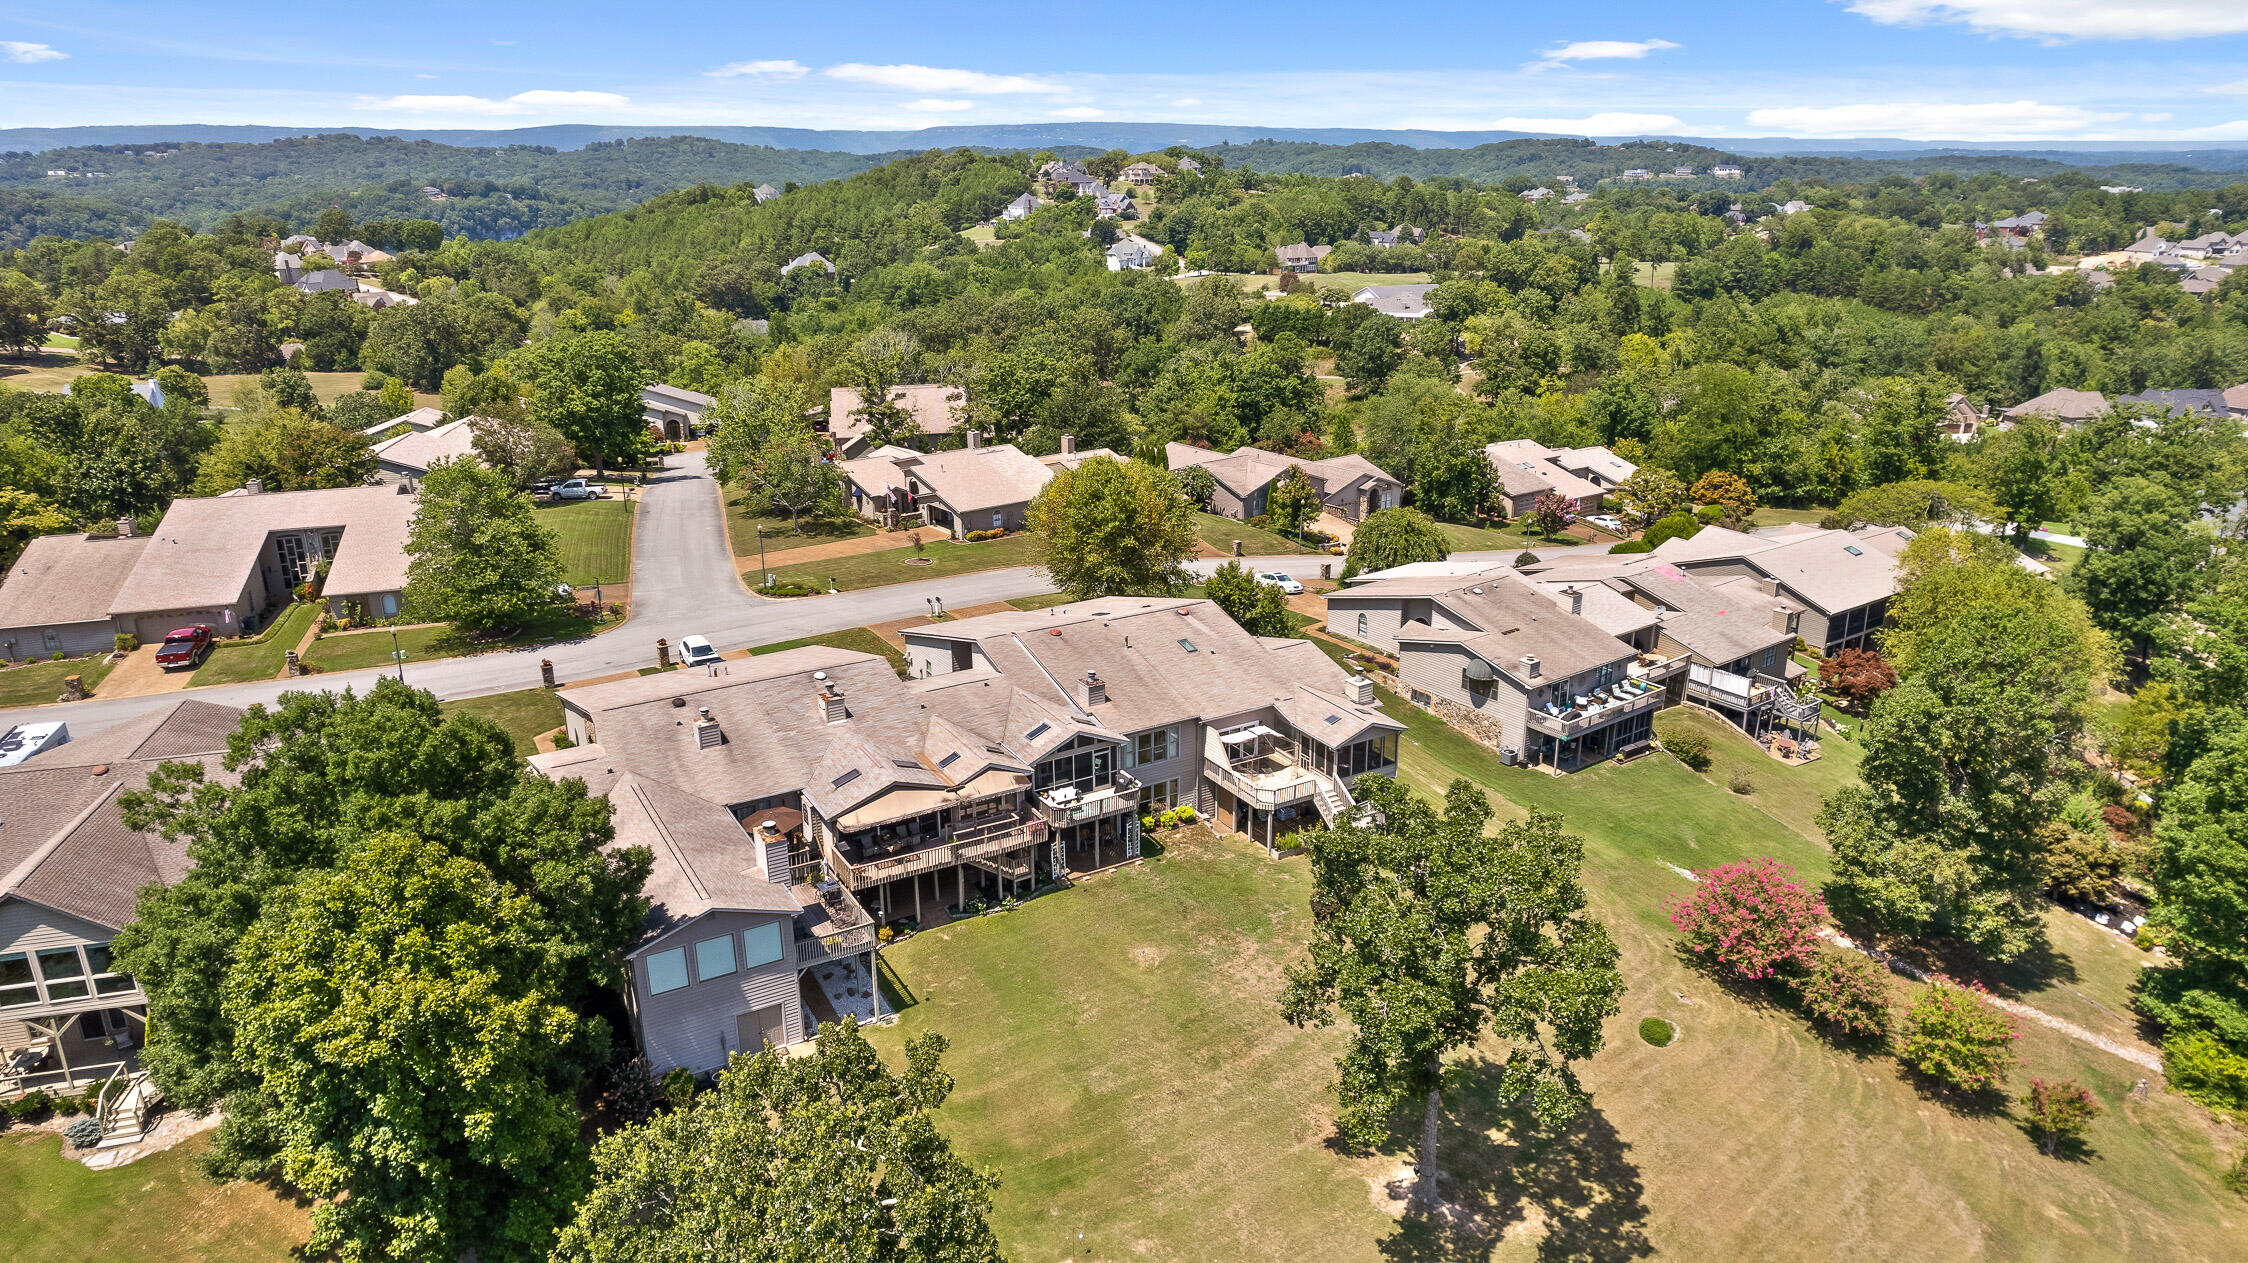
(139, 676)
(683, 582)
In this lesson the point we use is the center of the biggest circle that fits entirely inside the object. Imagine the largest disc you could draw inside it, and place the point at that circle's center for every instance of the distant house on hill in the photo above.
(1726, 171)
(1141, 174)
(811, 259)
(1133, 252)
(2069, 407)
(1189, 166)
(1302, 258)
(1406, 302)
(1021, 207)
(764, 193)
(326, 280)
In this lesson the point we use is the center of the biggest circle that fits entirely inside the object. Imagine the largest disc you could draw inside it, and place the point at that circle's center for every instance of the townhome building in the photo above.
(71, 871)
(795, 800)
(1349, 486)
(674, 411)
(975, 488)
(937, 411)
(1527, 470)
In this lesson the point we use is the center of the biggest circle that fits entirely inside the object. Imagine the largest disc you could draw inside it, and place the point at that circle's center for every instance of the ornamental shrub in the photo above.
(1751, 918)
(83, 1134)
(679, 1087)
(1847, 993)
(1688, 746)
(2204, 1069)
(1657, 1031)
(2058, 1112)
(1953, 1037)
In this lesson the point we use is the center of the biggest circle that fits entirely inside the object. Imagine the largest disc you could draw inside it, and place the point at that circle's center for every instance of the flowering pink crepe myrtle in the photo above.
(1750, 916)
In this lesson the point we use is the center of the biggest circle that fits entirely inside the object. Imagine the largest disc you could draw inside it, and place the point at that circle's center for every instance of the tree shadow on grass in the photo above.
(897, 997)
(1506, 1176)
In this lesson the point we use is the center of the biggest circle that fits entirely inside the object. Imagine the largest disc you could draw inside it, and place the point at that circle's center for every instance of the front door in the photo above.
(759, 1027)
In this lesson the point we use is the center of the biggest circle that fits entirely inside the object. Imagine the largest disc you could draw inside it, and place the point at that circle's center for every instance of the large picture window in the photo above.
(667, 971)
(1154, 747)
(16, 985)
(764, 944)
(714, 957)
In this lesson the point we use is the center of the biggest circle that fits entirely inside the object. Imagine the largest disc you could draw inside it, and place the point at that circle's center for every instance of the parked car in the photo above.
(695, 651)
(1608, 523)
(1280, 581)
(185, 647)
(575, 489)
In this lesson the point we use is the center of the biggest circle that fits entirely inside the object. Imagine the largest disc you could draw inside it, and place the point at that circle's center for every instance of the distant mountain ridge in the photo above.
(1138, 137)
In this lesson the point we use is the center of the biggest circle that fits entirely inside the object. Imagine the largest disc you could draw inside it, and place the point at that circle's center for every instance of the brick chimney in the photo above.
(124, 528)
(1069, 445)
(1576, 600)
(1092, 690)
(708, 735)
(1530, 665)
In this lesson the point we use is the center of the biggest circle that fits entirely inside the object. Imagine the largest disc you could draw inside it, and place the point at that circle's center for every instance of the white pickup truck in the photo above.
(575, 489)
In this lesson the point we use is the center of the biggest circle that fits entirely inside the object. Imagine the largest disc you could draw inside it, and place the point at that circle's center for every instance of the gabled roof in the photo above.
(64, 843)
(2063, 404)
(809, 258)
(1525, 466)
(975, 478)
(678, 395)
(67, 579)
(1406, 301)
(934, 409)
(704, 861)
(206, 549)
(416, 450)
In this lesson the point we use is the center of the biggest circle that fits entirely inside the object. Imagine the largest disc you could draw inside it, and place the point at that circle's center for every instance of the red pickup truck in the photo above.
(185, 647)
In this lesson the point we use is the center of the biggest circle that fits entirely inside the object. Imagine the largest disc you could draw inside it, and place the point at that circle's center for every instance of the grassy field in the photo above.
(596, 539)
(158, 1210)
(743, 519)
(1767, 515)
(262, 657)
(38, 683)
(858, 639)
(1467, 538)
(349, 651)
(51, 371)
(986, 236)
(2061, 557)
(525, 713)
(1122, 1066)
(1220, 532)
(1046, 601)
(889, 565)
(326, 387)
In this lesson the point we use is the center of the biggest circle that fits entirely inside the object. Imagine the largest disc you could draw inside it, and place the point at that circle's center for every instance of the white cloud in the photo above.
(1921, 120)
(1077, 111)
(939, 79)
(2238, 87)
(425, 76)
(17, 51)
(520, 103)
(2069, 19)
(779, 69)
(1186, 102)
(1599, 50)
(937, 105)
(1603, 124)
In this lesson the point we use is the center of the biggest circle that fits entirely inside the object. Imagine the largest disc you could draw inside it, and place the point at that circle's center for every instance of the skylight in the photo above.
(1035, 733)
(1853, 550)
(949, 760)
(905, 763)
(1334, 719)
(1186, 644)
(845, 779)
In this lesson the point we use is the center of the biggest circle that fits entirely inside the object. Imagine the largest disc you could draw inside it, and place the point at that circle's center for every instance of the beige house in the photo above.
(407, 457)
(1527, 470)
(1350, 487)
(974, 488)
(936, 410)
(228, 561)
(673, 411)
(70, 873)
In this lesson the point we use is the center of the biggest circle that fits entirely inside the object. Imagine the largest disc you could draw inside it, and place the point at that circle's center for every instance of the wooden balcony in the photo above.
(964, 845)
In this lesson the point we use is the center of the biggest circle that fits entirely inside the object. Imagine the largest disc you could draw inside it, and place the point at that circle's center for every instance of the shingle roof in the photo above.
(417, 450)
(704, 861)
(1512, 619)
(1405, 301)
(206, 549)
(64, 843)
(975, 478)
(933, 408)
(678, 394)
(1522, 462)
(67, 579)
(2063, 404)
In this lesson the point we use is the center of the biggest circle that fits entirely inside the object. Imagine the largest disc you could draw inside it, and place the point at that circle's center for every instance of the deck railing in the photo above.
(988, 838)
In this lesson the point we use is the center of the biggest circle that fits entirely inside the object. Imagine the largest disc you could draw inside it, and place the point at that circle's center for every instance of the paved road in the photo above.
(683, 582)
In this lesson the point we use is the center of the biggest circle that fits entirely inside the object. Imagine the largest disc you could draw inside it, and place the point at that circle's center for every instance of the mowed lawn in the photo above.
(350, 651)
(39, 683)
(1220, 532)
(261, 658)
(326, 387)
(596, 539)
(895, 565)
(157, 1210)
(525, 713)
(857, 639)
(745, 513)
(1123, 1068)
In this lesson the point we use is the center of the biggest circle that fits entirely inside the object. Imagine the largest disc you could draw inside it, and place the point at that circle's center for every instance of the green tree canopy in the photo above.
(1260, 608)
(1394, 537)
(1112, 527)
(405, 1017)
(478, 557)
(1432, 932)
(587, 386)
(832, 1157)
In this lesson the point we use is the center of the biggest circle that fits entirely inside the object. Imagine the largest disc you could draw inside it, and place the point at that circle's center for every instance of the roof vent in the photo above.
(1530, 665)
(708, 735)
(678, 701)
(1092, 690)
(831, 705)
(124, 528)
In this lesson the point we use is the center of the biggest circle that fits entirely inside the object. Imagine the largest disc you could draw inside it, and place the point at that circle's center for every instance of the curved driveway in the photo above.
(683, 582)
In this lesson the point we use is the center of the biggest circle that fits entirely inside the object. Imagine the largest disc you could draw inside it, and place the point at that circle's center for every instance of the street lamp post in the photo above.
(398, 654)
(761, 553)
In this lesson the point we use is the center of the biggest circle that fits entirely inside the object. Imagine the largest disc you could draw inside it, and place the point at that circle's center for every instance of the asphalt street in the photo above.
(683, 582)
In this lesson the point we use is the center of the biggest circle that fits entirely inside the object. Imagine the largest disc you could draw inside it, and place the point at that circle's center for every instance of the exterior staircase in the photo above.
(1800, 710)
(123, 1107)
(1334, 801)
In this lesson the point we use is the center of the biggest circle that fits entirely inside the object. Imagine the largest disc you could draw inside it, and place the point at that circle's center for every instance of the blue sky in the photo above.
(2005, 70)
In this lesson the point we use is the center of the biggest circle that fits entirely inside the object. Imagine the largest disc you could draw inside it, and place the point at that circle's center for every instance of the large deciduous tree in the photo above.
(587, 386)
(831, 1157)
(405, 1017)
(1432, 932)
(1394, 537)
(1261, 608)
(1112, 527)
(1651, 495)
(1291, 502)
(2142, 558)
(479, 558)
(303, 783)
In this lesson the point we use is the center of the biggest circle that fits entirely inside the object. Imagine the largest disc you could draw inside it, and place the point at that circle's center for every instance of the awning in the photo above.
(993, 780)
(898, 804)
(1241, 735)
